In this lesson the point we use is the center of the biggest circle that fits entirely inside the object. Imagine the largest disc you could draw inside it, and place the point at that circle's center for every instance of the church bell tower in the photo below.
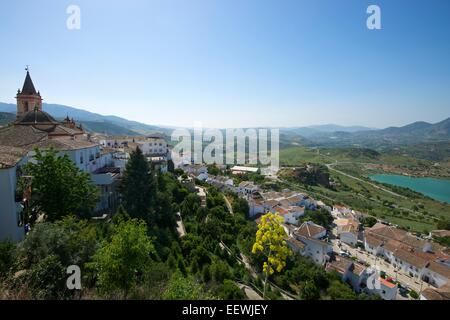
(28, 99)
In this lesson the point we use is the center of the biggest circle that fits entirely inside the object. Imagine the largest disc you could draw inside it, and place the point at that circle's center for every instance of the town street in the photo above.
(405, 279)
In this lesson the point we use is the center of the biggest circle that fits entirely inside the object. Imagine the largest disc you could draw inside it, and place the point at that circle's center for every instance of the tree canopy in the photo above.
(138, 186)
(58, 186)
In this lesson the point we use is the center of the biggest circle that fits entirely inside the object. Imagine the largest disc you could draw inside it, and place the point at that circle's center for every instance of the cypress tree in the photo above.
(138, 187)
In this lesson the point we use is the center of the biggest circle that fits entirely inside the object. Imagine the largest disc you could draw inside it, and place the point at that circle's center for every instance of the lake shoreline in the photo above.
(435, 188)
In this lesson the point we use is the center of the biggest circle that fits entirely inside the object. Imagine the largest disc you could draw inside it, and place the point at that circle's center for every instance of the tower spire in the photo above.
(28, 99)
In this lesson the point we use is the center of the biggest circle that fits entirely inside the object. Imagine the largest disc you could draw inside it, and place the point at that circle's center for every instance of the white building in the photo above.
(33, 129)
(362, 279)
(246, 188)
(11, 219)
(436, 274)
(220, 182)
(151, 145)
(347, 230)
(309, 234)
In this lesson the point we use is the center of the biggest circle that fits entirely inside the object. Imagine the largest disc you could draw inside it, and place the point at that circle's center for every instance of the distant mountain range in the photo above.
(310, 131)
(329, 135)
(414, 133)
(94, 122)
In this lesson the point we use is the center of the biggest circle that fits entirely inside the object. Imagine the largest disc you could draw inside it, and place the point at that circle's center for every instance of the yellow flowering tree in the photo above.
(271, 242)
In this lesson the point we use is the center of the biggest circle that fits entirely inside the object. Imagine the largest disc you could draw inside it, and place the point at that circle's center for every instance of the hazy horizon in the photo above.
(234, 63)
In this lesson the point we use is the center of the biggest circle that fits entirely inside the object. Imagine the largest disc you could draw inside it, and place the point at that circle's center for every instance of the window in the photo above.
(81, 159)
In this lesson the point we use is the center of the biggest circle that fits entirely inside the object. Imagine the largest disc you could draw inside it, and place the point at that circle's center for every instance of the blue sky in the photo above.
(234, 63)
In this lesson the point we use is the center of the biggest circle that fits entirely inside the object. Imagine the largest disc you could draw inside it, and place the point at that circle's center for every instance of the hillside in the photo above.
(93, 122)
(6, 117)
(415, 133)
(314, 136)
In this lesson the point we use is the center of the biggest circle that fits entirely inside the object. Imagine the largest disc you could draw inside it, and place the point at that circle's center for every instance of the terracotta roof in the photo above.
(357, 268)
(410, 257)
(284, 202)
(387, 231)
(373, 241)
(295, 243)
(296, 209)
(387, 283)
(352, 226)
(309, 229)
(391, 245)
(20, 136)
(439, 268)
(294, 198)
(64, 144)
(280, 210)
(10, 156)
(341, 265)
(442, 293)
(271, 203)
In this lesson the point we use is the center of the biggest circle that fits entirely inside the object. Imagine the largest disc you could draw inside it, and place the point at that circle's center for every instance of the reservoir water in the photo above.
(438, 189)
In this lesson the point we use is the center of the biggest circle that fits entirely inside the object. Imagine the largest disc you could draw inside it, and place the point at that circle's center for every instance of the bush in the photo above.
(414, 294)
(47, 279)
(6, 257)
(230, 291)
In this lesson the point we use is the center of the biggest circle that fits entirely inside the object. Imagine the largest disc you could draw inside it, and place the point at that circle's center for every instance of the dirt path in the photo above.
(227, 202)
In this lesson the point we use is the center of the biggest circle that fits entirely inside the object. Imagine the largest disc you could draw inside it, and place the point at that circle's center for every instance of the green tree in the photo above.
(240, 205)
(6, 257)
(122, 260)
(47, 279)
(58, 187)
(230, 291)
(443, 225)
(338, 290)
(138, 187)
(369, 221)
(181, 287)
(271, 242)
(310, 291)
(321, 217)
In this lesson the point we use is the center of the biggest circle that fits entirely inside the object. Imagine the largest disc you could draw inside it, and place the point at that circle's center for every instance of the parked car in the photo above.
(344, 253)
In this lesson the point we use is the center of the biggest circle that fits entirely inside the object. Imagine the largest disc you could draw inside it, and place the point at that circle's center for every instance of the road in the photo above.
(330, 167)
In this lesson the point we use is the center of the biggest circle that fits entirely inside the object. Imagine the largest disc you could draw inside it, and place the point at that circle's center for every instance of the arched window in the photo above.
(25, 106)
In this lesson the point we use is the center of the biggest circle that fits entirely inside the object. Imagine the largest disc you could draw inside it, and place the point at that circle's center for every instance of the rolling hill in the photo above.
(329, 135)
(91, 121)
(414, 133)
